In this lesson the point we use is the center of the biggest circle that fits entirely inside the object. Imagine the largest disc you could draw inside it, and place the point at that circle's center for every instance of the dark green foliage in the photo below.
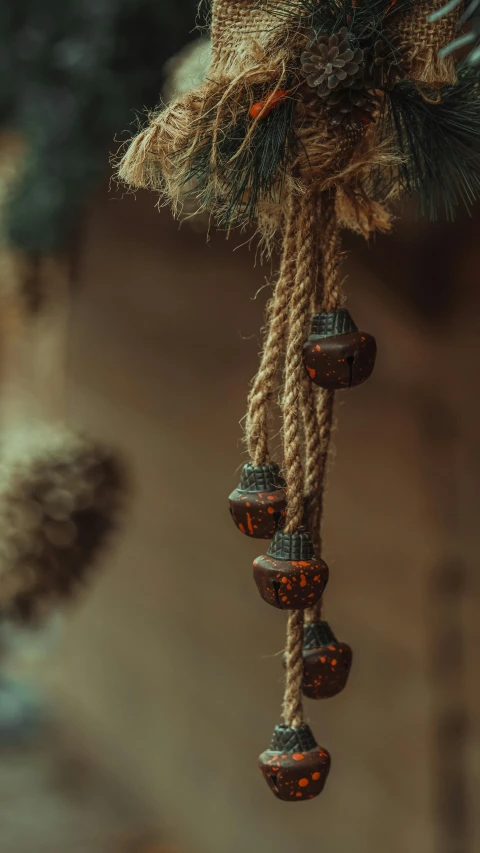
(438, 135)
(364, 20)
(257, 172)
(72, 74)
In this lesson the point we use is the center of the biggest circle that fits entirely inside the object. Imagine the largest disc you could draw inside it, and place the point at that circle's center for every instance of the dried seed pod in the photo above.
(336, 354)
(326, 662)
(331, 62)
(388, 63)
(353, 109)
(257, 505)
(289, 576)
(59, 498)
(295, 767)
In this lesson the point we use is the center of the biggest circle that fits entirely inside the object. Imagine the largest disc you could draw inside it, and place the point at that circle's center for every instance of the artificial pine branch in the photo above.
(250, 163)
(438, 136)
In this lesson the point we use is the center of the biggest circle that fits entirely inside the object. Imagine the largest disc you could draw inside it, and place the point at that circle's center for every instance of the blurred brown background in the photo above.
(167, 680)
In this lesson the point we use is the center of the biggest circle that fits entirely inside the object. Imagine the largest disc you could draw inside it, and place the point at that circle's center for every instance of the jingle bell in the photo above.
(326, 662)
(295, 767)
(289, 576)
(257, 505)
(337, 355)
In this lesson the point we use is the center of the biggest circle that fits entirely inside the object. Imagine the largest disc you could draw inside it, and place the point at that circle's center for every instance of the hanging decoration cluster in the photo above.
(314, 116)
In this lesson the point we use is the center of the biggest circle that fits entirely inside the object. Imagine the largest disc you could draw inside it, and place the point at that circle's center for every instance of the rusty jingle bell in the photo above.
(295, 767)
(257, 505)
(337, 355)
(289, 576)
(326, 662)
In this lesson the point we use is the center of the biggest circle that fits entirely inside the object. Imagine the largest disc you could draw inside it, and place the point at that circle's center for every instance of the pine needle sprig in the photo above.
(438, 137)
(329, 16)
(244, 166)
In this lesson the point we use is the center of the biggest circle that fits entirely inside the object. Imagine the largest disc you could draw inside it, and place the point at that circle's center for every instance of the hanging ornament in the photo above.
(257, 505)
(326, 662)
(336, 354)
(313, 117)
(294, 766)
(289, 576)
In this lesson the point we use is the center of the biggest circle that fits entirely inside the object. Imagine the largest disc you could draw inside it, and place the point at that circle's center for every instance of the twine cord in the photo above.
(318, 404)
(299, 315)
(319, 409)
(331, 297)
(261, 394)
(292, 702)
(318, 416)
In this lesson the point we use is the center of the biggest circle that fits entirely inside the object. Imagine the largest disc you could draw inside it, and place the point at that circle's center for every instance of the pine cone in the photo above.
(352, 108)
(385, 66)
(59, 498)
(330, 62)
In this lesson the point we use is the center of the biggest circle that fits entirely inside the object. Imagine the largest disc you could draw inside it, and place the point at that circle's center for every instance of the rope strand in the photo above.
(332, 297)
(322, 421)
(292, 703)
(300, 307)
(261, 393)
(318, 405)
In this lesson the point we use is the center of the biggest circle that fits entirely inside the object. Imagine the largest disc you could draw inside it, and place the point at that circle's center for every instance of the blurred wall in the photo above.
(172, 661)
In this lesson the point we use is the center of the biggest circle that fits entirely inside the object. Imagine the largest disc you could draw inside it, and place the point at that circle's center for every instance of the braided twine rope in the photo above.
(307, 412)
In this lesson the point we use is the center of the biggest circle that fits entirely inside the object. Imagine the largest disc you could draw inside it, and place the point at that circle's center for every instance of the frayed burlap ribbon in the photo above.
(422, 41)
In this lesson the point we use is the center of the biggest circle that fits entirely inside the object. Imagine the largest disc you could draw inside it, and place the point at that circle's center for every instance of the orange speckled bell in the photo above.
(326, 662)
(289, 576)
(295, 767)
(257, 506)
(336, 354)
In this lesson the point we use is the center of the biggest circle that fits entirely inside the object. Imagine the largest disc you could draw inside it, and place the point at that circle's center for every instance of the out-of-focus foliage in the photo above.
(72, 75)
